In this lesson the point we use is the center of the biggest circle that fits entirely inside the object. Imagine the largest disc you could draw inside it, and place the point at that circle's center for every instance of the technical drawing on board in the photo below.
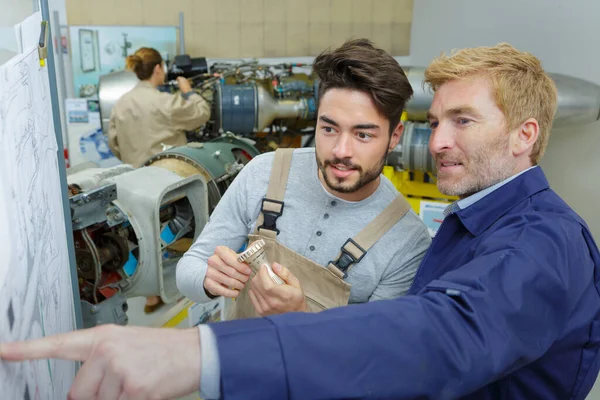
(36, 297)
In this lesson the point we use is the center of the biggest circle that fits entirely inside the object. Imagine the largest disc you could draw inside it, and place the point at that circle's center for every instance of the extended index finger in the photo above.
(73, 346)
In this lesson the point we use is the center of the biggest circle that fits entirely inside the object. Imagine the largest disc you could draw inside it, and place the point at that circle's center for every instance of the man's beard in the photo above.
(483, 169)
(364, 178)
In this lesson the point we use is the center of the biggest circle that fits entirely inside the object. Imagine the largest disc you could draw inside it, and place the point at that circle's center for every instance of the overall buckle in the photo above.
(270, 217)
(347, 258)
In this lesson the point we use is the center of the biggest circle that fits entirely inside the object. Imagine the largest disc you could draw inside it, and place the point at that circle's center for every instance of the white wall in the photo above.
(13, 12)
(564, 35)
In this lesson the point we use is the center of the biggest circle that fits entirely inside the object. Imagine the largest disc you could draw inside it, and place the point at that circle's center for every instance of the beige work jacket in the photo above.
(146, 120)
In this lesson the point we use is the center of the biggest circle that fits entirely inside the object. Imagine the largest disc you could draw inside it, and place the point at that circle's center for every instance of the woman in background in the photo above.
(145, 121)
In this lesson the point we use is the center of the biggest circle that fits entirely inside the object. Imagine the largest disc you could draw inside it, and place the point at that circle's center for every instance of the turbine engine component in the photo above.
(110, 89)
(249, 98)
(131, 226)
(217, 161)
(412, 153)
(250, 108)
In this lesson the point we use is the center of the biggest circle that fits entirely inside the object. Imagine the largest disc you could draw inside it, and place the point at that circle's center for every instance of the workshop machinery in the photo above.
(131, 226)
(276, 106)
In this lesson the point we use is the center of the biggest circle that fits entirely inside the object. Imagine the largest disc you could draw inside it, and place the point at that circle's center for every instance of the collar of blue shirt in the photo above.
(461, 205)
(467, 201)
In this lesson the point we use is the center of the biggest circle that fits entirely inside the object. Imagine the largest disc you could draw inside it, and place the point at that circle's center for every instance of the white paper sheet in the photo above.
(28, 32)
(36, 292)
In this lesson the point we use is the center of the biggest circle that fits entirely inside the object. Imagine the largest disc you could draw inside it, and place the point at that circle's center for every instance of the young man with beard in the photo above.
(334, 202)
(505, 305)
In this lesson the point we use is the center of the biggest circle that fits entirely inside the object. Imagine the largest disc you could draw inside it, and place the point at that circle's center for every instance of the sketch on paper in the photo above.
(36, 297)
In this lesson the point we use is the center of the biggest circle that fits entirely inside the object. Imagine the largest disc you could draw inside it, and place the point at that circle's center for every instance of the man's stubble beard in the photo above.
(364, 178)
(484, 169)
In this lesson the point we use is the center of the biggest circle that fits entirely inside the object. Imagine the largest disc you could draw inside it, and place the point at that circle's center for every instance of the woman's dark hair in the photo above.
(359, 65)
(143, 61)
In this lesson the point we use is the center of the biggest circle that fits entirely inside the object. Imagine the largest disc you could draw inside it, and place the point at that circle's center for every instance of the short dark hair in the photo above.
(359, 65)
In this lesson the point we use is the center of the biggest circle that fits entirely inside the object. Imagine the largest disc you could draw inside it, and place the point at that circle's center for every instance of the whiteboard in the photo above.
(36, 295)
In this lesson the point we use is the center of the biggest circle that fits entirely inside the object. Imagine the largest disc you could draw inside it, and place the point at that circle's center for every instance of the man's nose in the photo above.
(343, 146)
(441, 139)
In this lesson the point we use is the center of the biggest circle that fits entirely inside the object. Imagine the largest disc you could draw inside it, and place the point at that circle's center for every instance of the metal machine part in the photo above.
(88, 208)
(131, 226)
(218, 161)
(418, 105)
(187, 67)
(111, 311)
(250, 108)
(110, 89)
(246, 98)
(89, 175)
(578, 101)
(412, 153)
(130, 234)
(149, 191)
(256, 257)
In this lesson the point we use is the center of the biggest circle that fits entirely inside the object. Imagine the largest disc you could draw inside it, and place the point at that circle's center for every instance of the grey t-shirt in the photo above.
(315, 224)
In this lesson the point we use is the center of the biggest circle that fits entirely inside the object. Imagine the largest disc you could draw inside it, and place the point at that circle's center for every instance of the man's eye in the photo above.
(363, 135)
(463, 121)
(433, 124)
(328, 129)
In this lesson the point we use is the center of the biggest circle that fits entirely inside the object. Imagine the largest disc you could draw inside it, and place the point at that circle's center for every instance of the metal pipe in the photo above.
(578, 99)
(61, 73)
(181, 35)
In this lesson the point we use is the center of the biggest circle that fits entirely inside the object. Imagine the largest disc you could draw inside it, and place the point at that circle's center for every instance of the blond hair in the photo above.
(143, 62)
(522, 89)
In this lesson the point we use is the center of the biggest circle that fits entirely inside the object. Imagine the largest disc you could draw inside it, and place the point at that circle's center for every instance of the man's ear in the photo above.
(526, 136)
(396, 135)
